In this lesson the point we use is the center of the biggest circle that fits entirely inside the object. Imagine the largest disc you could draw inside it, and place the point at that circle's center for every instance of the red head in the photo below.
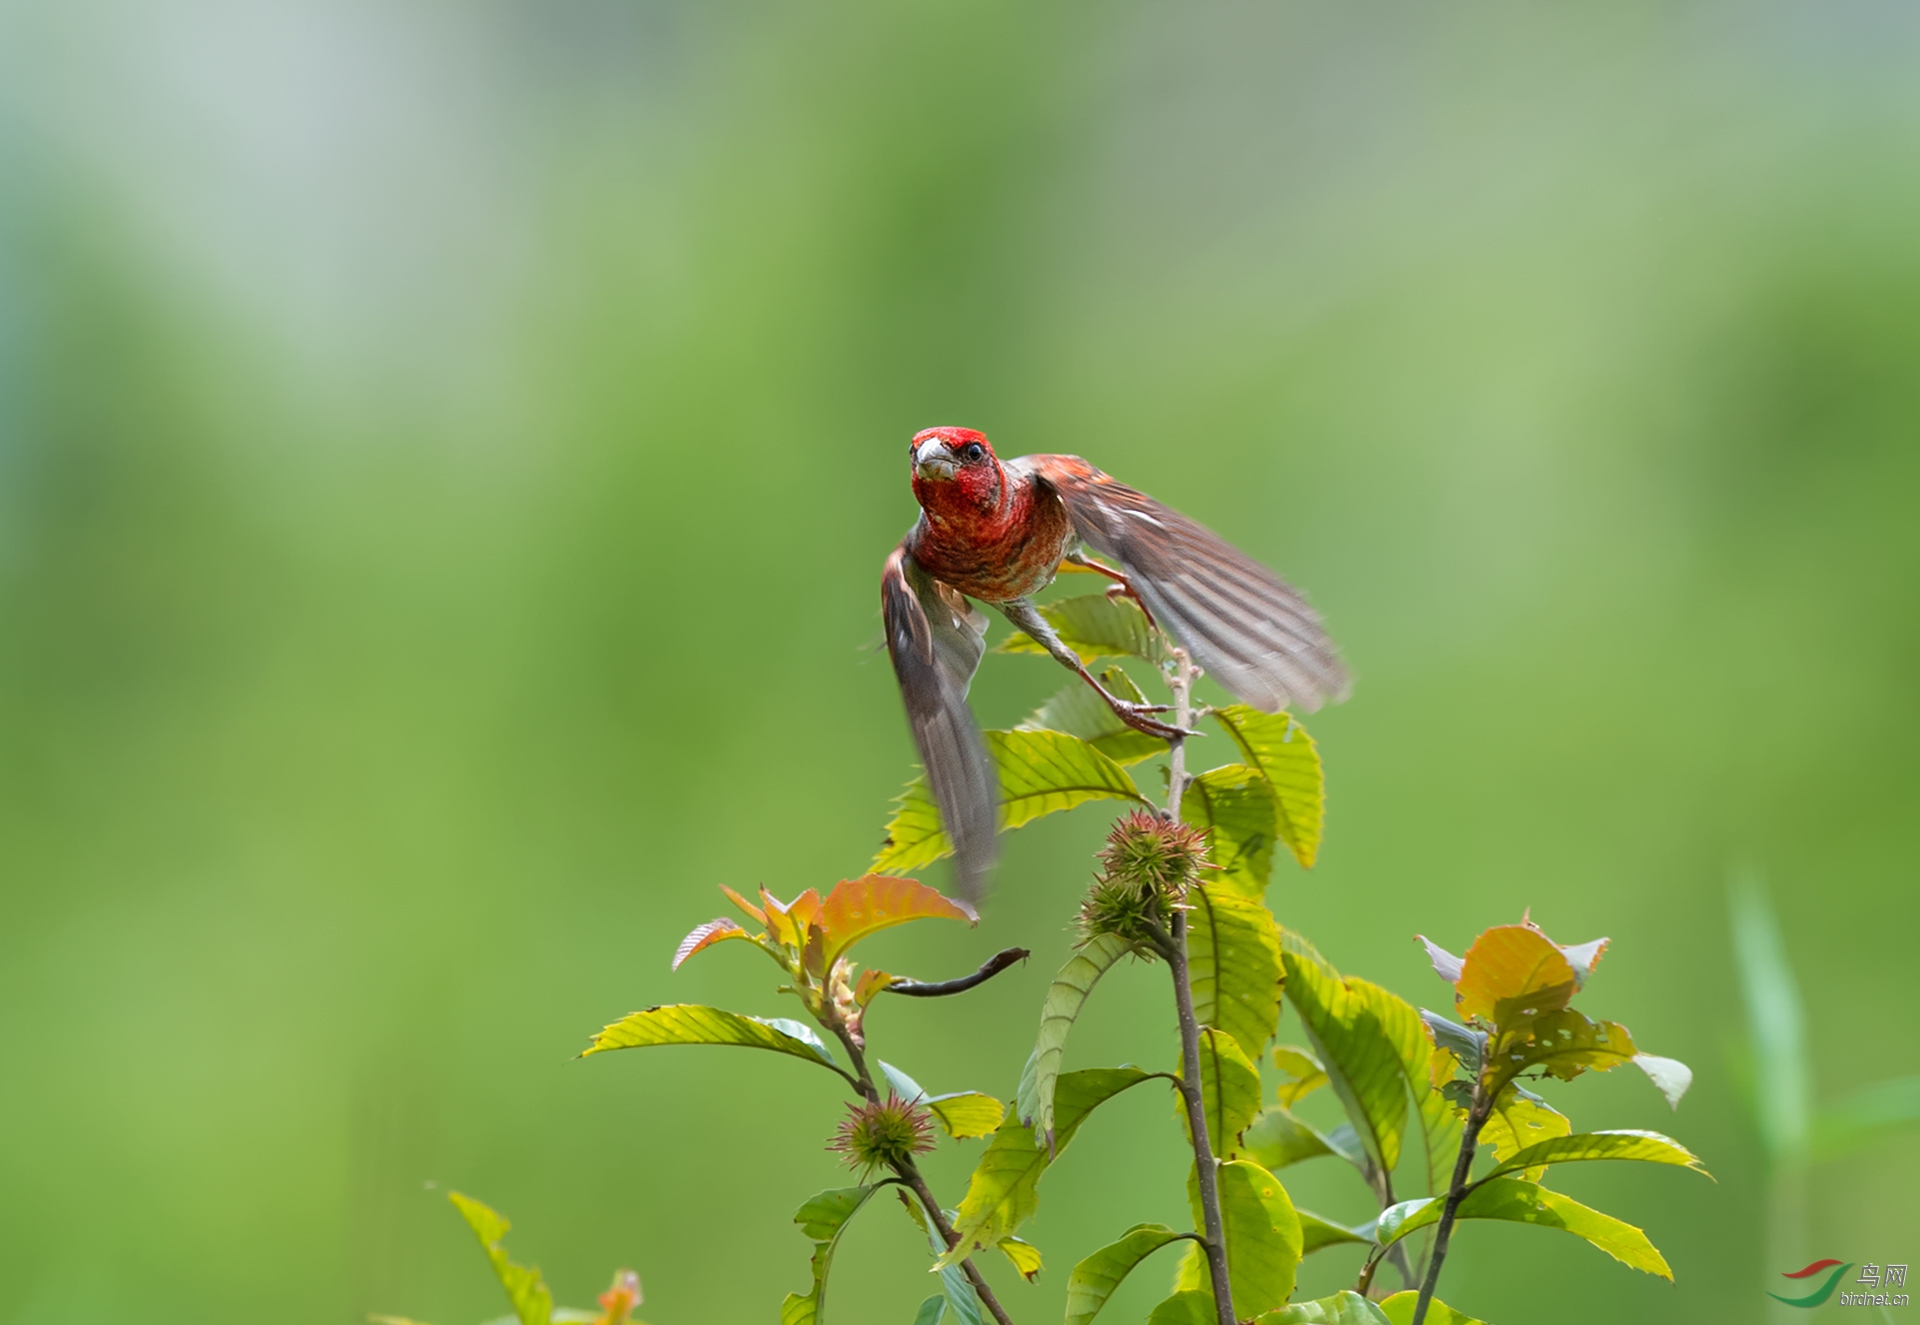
(954, 471)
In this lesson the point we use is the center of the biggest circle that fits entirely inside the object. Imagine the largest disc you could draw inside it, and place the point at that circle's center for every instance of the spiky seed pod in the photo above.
(1115, 906)
(875, 1136)
(1157, 856)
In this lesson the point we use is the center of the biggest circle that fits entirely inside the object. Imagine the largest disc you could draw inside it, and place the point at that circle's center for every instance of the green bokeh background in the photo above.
(446, 455)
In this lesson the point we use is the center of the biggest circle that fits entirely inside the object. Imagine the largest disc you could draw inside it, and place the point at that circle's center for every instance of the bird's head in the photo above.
(955, 470)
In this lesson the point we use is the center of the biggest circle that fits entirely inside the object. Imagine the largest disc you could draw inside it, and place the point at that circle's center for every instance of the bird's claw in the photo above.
(1136, 717)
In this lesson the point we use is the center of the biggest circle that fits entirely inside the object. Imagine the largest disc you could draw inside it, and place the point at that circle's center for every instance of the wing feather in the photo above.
(935, 638)
(1249, 629)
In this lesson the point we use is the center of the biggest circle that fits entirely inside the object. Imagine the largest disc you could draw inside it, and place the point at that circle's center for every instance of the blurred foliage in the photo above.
(438, 443)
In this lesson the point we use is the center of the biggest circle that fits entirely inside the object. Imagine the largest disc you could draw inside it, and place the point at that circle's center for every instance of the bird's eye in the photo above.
(973, 452)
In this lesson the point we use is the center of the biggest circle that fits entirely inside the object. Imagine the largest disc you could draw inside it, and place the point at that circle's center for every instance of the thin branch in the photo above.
(1204, 1168)
(995, 964)
(1477, 1113)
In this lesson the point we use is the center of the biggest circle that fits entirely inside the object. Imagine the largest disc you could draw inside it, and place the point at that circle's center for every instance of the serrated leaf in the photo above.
(1512, 974)
(1094, 1279)
(1264, 1242)
(1040, 772)
(1514, 1201)
(693, 1023)
(525, 1289)
(1376, 1054)
(1398, 1310)
(1065, 997)
(1024, 1255)
(1345, 1308)
(1233, 960)
(1236, 808)
(1004, 1191)
(1192, 1306)
(1279, 747)
(1229, 1091)
(823, 1219)
(1647, 1147)
(1317, 1232)
(705, 936)
(967, 1113)
(1278, 1139)
(1078, 710)
(858, 908)
(1094, 626)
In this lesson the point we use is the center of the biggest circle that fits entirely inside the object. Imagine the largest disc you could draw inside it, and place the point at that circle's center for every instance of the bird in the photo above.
(998, 532)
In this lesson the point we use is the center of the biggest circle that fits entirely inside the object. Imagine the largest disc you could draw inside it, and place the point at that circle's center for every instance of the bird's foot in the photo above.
(1138, 717)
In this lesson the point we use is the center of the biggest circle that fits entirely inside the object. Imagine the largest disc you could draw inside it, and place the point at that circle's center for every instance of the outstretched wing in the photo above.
(1249, 629)
(936, 638)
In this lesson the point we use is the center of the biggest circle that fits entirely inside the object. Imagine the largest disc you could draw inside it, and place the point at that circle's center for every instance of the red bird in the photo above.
(998, 532)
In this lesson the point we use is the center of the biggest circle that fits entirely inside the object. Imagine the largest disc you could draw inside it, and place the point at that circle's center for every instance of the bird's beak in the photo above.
(934, 460)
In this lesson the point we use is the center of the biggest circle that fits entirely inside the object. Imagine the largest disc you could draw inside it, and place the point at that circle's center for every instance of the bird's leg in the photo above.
(1026, 617)
(1122, 586)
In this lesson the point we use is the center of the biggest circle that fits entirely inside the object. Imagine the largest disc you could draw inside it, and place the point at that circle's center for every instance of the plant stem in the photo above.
(1207, 1175)
(1477, 1112)
(909, 1172)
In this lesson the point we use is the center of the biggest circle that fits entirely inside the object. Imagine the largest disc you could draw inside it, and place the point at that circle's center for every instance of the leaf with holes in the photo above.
(1065, 997)
(1279, 747)
(1041, 772)
(1236, 808)
(1233, 959)
(1095, 1278)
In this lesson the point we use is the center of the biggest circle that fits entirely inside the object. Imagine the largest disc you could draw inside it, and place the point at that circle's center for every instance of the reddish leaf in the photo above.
(759, 916)
(870, 984)
(1512, 974)
(705, 936)
(867, 905)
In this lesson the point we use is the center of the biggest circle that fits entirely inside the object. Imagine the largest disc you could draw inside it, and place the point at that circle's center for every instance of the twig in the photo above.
(1208, 1176)
(995, 964)
(1477, 1113)
(909, 1173)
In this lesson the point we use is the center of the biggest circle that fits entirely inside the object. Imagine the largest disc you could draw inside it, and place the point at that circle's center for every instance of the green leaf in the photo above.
(1040, 772)
(956, 1291)
(1317, 1232)
(1345, 1308)
(1078, 710)
(1398, 1310)
(1264, 1241)
(1094, 626)
(1190, 1306)
(1278, 1139)
(1376, 1055)
(1648, 1147)
(1868, 1115)
(526, 1290)
(1279, 747)
(1782, 1095)
(1229, 1090)
(1515, 1201)
(1065, 997)
(823, 1219)
(901, 1084)
(1563, 1044)
(967, 1113)
(1095, 1278)
(1520, 1119)
(1304, 1070)
(931, 1310)
(691, 1023)
(1004, 1190)
(1233, 960)
(1236, 807)
(1024, 1255)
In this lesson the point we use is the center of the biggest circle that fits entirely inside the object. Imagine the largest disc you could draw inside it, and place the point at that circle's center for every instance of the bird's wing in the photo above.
(1249, 630)
(936, 637)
